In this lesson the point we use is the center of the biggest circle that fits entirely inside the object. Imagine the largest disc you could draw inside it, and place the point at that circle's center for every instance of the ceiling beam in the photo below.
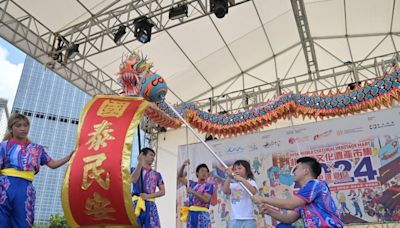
(301, 83)
(307, 43)
(92, 32)
(3, 105)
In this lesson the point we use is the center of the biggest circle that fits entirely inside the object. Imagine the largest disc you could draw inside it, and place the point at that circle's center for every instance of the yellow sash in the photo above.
(185, 211)
(141, 206)
(27, 175)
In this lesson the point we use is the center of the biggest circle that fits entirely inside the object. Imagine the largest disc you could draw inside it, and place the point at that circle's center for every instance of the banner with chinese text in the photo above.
(96, 188)
(360, 156)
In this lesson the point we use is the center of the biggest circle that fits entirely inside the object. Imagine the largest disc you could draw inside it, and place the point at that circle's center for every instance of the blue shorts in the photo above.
(242, 223)
(284, 225)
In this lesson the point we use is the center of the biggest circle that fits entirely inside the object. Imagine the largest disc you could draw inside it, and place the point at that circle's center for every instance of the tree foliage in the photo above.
(58, 221)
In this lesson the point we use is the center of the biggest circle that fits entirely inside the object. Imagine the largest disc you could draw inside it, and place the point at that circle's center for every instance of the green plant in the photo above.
(58, 221)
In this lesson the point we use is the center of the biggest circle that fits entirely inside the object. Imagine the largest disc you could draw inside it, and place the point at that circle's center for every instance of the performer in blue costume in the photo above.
(145, 181)
(20, 160)
(313, 203)
(200, 192)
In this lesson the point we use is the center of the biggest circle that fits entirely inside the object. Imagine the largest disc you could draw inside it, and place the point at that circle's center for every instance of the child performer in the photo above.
(200, 193)
(145, 181)
(242, 208)
(313, 203)
(20, 160)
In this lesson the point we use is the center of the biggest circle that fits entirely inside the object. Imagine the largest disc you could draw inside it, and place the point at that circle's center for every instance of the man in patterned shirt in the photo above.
(145, 182)
(313, 203)
(196, 214)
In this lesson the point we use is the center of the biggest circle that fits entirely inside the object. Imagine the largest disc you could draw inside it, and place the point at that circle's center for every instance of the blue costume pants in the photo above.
(17, 202)
(198, 219)
(148, 219)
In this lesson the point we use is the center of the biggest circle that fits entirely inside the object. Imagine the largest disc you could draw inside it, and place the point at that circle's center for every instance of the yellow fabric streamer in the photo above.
(27, 175)
(141, 205)
(184, 211)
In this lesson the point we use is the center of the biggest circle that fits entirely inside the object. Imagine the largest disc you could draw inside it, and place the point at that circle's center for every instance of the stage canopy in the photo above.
(258, 49)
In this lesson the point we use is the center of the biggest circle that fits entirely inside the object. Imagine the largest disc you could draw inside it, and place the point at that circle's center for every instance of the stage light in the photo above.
(178, 12)
(120, 33)
(143, 29)
(219, 7)
(72, 51)
(57, 53)
(354, 85)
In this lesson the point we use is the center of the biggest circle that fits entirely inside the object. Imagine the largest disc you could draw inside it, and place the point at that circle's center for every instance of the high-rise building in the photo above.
(53, 106)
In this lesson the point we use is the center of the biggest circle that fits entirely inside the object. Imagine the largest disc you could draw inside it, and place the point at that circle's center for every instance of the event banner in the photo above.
(360, 157)
(96, 189)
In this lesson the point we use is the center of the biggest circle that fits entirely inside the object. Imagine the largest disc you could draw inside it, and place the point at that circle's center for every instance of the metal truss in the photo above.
(151, 135)
(3, 106)
(330, 79)
(96, 34)
(150, 130)
(35, 39)
(307, 43)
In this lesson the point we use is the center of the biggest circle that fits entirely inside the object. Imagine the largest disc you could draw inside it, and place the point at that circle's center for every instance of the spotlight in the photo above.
(163, 129)
(178, 12)
(143, 29)
(72, 51)
(120, 33)
(354, 85)
(57, 54)
(219, 7)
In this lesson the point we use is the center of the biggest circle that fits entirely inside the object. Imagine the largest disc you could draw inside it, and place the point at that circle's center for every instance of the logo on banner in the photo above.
(253, 147)
(322, 135)
(293, 140)
(349, 131)
(272, 143)
(295, 131)
(237, 149)
(381, 125)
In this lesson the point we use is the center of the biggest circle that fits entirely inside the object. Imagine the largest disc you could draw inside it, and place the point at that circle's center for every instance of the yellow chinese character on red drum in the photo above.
(112, 108)
(98, 207)
(100, 135)
(92, 171)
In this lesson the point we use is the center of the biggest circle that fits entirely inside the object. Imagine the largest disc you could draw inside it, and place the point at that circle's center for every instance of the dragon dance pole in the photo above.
(205, 144)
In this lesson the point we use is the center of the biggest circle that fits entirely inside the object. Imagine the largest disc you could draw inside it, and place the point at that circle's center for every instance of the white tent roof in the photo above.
(257, 42)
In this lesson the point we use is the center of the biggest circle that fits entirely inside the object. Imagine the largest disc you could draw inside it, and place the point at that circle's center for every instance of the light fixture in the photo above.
(72, 51)
(120, 33)
(354, 85)
(179, 11)
(57, 54)
(219, 7)
(143, 29)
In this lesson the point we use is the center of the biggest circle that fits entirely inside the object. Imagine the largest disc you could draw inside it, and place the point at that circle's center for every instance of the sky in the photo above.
(11, 64)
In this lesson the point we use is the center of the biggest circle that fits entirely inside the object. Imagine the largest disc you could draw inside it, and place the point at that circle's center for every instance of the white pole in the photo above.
(204, 143)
